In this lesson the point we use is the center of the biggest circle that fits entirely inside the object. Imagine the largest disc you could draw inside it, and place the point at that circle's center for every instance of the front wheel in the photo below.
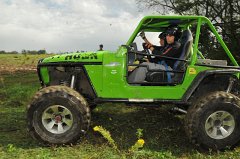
(213, 122)
(58, 115)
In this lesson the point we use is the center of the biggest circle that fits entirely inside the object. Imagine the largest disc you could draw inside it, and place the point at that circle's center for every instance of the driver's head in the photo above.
(172, 34)
(162, 38)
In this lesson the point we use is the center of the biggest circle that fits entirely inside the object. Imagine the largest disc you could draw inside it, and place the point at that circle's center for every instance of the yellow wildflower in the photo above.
(96, 128)
(106, 134)
(141, 142)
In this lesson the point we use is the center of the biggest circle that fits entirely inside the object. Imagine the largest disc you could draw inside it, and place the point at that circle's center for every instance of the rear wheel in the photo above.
(58, 115)
(213, 122)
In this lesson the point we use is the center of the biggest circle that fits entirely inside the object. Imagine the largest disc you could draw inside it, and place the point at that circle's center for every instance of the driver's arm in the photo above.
(148, 43)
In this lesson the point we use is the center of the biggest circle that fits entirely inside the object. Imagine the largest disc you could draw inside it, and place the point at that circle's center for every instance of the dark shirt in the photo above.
(170, 50)
(158, 49)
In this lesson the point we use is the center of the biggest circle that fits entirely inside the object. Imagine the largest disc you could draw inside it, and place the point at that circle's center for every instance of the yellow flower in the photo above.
(96, 128)
(141, 142)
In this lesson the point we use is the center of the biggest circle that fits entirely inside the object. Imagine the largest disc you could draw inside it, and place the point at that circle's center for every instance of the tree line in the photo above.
(33, 52)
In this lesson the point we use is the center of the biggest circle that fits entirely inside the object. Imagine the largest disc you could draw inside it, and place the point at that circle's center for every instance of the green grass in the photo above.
(20, 60)
(163, 132)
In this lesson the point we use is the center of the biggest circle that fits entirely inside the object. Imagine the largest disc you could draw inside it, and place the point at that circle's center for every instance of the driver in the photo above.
(162, 41)
(170, 49)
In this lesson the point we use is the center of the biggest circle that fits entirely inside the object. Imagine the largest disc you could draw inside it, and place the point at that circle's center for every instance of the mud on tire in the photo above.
(213, 122)
(58, 115)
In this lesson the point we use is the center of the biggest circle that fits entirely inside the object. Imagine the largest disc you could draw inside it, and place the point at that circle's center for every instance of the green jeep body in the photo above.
(102, 76)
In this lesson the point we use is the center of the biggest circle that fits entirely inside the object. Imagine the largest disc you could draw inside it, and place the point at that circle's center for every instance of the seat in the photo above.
(186, 41)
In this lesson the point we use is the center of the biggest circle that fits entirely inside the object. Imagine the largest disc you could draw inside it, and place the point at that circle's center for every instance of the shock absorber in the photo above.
(75, 72)
(73, 79)
(230, 85)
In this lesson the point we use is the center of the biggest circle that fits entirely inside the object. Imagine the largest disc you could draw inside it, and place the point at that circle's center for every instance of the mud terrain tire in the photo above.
(213, 122)
(58, 115)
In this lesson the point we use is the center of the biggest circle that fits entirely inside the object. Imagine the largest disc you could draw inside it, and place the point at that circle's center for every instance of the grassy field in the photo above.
(162, 131)
(19, 60)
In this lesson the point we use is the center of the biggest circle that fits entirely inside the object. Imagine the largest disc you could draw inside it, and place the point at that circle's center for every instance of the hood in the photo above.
(76, 57)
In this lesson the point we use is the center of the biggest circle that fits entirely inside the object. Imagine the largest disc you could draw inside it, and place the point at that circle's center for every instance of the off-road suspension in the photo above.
(72, 85)
(179, 110)
(230, 85)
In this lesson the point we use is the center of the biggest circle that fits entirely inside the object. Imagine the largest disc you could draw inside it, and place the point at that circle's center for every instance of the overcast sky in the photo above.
(66, 25)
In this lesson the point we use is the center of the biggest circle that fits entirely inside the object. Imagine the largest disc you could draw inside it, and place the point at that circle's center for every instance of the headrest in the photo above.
(186, 36)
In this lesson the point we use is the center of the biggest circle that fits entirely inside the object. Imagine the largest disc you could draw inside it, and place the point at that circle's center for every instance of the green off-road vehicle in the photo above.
(206, 90)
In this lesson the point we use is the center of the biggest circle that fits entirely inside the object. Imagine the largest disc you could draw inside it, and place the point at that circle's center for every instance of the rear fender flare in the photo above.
(205, 74)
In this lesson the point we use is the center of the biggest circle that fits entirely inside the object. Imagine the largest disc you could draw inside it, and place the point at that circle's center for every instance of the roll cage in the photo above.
(159, 24)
